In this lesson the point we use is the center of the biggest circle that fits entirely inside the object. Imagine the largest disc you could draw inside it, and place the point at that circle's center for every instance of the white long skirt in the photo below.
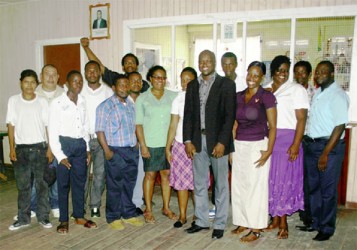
(250, 185)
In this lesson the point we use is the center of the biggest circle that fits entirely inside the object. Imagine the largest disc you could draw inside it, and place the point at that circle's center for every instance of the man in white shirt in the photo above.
(95, 93)
(27, 118)
(69, 140)
(229, 65)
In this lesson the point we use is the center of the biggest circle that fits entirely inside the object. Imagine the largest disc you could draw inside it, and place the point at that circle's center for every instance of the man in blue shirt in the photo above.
(115, 128)
(325, 149)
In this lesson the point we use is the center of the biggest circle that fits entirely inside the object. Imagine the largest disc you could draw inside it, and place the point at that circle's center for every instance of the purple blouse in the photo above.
(251, 116)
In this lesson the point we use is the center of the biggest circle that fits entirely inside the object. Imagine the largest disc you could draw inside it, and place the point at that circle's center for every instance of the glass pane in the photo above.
(182, 51)
(274, 40)
(153, 47)
(330, 39)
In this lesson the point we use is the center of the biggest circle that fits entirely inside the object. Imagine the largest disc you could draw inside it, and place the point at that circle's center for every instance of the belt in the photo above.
(35, 145)
(203, 131)
(318, 139)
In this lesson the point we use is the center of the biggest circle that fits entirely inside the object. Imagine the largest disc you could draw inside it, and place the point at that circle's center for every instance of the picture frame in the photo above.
(228, 32)
(99, 21)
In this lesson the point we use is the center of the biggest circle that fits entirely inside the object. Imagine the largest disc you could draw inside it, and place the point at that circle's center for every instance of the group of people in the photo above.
(132, 132)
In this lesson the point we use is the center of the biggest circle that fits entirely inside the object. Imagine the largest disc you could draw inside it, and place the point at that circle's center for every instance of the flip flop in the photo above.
(238, 230)
(251, 236)
(283, 233)
(169, 214)
(86, 223)
(63, 228)
(149, 218)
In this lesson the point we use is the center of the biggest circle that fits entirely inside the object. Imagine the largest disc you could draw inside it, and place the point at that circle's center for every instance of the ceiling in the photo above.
(9, 2)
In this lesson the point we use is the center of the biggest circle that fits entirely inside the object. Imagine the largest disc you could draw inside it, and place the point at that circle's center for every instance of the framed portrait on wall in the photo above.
(99, 21)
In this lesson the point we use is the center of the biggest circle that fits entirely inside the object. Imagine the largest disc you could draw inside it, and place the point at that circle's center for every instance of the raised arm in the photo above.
(90, 54)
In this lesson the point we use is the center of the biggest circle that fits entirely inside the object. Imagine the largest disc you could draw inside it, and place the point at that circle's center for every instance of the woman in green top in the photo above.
(152, 123)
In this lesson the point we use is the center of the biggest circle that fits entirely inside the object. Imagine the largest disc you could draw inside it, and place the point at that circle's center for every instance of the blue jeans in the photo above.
(96, 188)
(121, 174)
(323, 185)
(74, 178)
(31, 160)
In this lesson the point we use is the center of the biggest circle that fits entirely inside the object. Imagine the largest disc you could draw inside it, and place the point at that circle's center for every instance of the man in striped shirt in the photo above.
(115, 128)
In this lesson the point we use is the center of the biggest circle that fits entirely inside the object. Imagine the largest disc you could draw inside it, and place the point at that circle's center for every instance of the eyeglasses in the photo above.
(161, 78)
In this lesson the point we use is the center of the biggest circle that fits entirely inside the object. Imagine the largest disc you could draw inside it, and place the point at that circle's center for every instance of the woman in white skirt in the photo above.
(254, 133)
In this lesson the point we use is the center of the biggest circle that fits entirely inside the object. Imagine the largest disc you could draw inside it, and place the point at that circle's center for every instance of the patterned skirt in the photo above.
(181, 172)
(286, 194)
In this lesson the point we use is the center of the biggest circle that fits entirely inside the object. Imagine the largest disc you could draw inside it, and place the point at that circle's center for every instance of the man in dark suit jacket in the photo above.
(99, 23)
(209, 116)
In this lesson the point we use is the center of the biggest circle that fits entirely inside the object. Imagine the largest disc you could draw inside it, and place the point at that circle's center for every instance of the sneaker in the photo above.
(33, 214)
(134, 221)
(56, 213)
(16, 225)
(212, 212)
(95, 212)
(46, 223)
(117, 225)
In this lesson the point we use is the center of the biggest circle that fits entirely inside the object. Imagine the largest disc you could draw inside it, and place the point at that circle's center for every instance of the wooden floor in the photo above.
(161, 235)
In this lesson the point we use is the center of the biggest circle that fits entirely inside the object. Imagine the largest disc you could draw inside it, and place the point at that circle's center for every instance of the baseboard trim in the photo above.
(351, 205)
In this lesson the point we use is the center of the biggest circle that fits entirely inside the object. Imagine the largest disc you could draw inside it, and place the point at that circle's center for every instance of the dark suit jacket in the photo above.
(103, 23)
(219, 114)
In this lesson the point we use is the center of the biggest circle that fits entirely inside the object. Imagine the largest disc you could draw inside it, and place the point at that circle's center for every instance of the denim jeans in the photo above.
(31, 160)
(121, 174)
(95, 188)
(53, 193)
(74, 178)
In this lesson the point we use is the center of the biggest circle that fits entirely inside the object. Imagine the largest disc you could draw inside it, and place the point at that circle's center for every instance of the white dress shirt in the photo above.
(69, 120)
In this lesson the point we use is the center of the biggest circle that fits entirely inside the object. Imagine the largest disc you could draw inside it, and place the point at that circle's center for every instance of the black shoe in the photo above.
(322, 236)
(217, 233)
(195, 228)
(139, 211)
(179, 224)
(305, 228)
(95, 212)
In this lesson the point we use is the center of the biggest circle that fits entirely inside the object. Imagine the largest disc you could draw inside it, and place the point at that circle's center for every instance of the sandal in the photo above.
(169, 214)
(251, 236)
(149, 218)
(86, 223)
(179, 223)
(238, 230)
(271, 227)
(283, 233)
(63, 228)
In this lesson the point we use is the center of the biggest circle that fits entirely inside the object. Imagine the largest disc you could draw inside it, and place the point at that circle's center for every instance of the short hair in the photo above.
(99, 11)
(129, 55)
(261, 65)
(277, 62)
(153, 69)
(92, 62)
(133, 73)
(191, 70)
(118, 77)
(28, 73)
(230, 55)
(48, 65)
(71, 73)
(329, 65)
(305, 64)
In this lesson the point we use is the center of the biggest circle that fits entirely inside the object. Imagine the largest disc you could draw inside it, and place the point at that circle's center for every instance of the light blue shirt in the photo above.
(329, 109)
(117, 121)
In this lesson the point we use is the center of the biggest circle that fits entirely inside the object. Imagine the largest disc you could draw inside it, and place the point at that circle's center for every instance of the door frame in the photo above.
(60, 41)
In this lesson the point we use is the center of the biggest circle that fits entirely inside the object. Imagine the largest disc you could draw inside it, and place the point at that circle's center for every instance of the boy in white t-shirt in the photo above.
(27, 118)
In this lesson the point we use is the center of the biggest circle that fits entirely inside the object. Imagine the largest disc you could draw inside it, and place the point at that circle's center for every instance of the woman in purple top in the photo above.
(254, 133)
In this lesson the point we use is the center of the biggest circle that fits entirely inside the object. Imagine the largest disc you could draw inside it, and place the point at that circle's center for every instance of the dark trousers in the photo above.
(75, 177)
(305, 216)
(323, 185)
(31, 160)
(121, 174)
